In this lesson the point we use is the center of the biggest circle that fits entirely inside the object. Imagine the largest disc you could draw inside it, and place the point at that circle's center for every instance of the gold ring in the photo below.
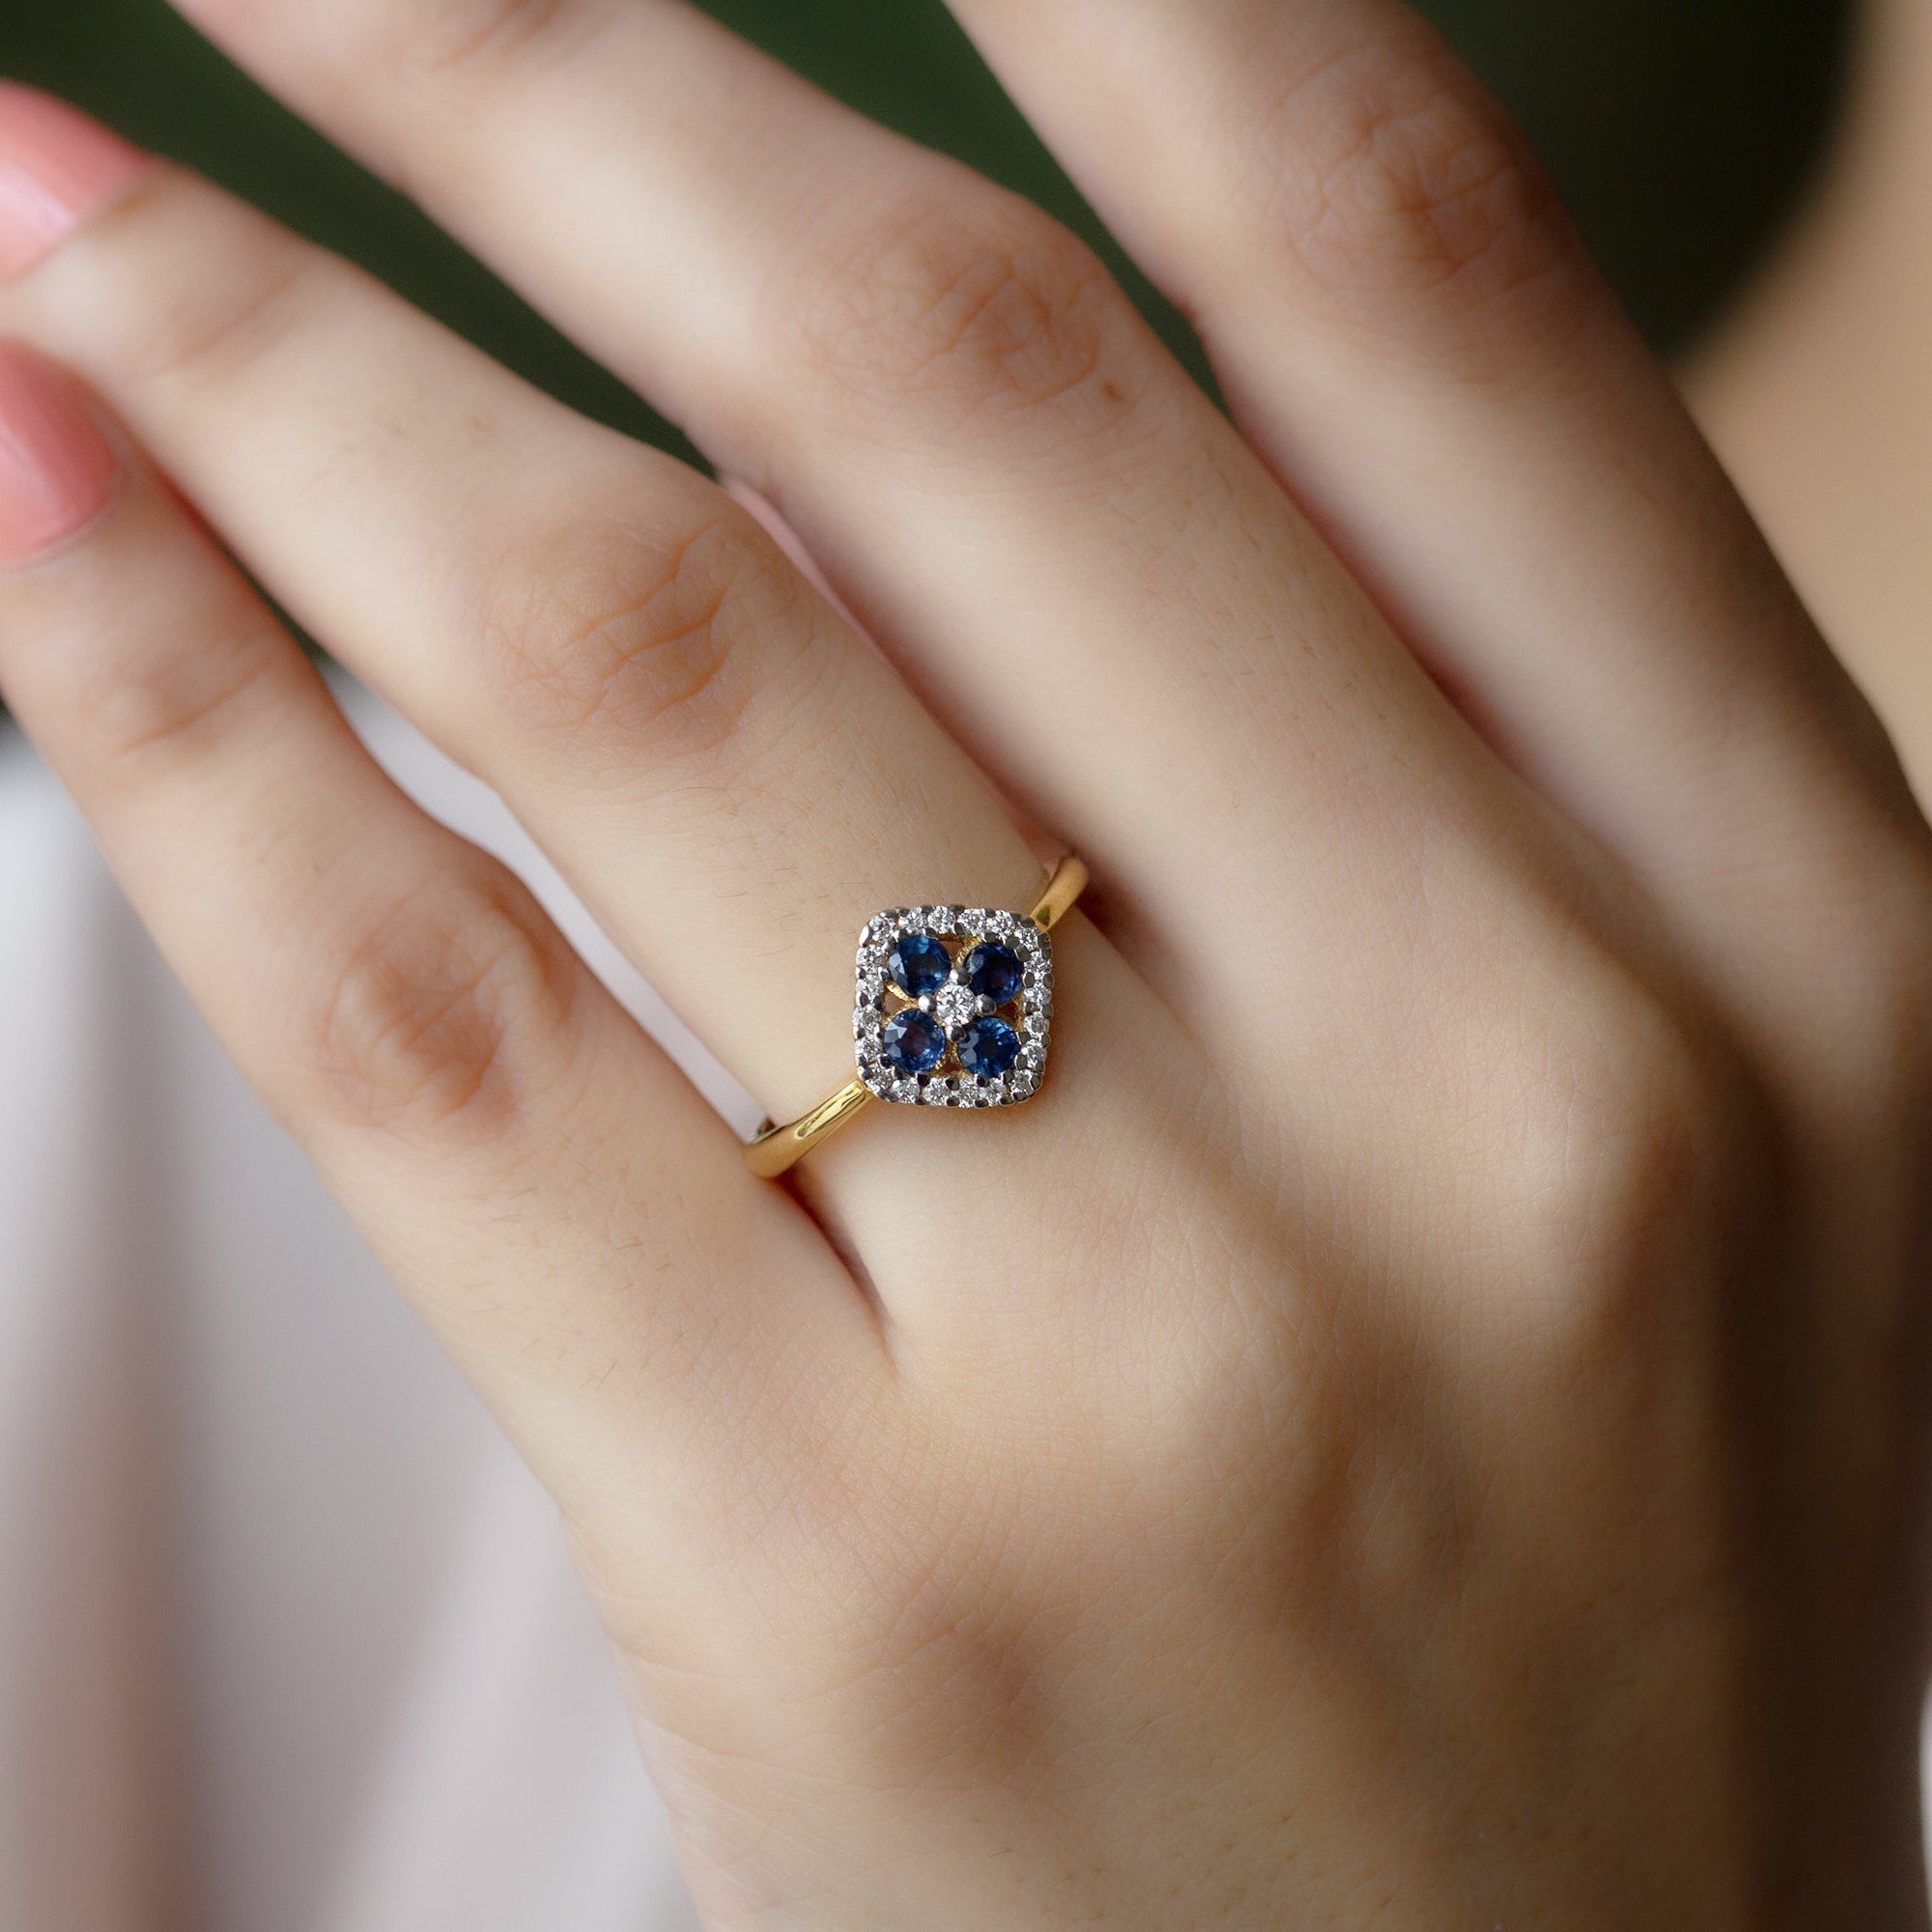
(954, 1010)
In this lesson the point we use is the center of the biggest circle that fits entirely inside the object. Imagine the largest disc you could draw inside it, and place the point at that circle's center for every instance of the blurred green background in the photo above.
(1679, 130)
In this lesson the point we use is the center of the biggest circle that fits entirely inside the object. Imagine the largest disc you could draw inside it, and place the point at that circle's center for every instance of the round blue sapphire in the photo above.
(988, 1048)
(914, 1042)
(994, 973)
(919, 964)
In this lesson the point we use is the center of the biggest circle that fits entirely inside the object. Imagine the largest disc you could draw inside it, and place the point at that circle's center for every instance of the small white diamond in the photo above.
(1036, 1025)
(1023, 1085)
(956, 1006)
(939, 920)
(1032, 1057)
(999, 924)
(974, 920)
(906, 1092)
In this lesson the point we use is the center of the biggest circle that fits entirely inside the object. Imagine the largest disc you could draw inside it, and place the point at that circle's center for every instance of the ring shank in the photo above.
(779, 1149)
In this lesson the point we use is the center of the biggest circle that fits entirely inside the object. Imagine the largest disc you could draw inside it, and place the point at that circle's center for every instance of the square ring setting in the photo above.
(954, 1006)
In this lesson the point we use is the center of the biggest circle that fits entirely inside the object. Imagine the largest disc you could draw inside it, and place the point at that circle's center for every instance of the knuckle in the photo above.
(220, 324)
(1390, 171)
(688, 648)
(1640, 1124)
(452, 38)
(988, 306)
(138, 716)
(445, 1014)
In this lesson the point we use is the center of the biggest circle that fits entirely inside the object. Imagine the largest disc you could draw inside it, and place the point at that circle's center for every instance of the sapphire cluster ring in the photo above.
(954, 1009)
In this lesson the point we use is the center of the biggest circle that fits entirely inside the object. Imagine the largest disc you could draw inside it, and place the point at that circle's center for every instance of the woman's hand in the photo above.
(1419, 1424)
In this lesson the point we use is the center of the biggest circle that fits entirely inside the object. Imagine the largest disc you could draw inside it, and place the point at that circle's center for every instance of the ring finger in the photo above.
(587, 624)
(403, 1004)
(731, 774)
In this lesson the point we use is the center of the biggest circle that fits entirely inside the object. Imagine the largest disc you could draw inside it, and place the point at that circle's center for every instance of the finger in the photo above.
(565, 1211)
(732, 777)
(1001, 469)
(1410, 331)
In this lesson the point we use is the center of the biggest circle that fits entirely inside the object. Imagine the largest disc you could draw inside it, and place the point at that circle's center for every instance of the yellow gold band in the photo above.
(777, 1149)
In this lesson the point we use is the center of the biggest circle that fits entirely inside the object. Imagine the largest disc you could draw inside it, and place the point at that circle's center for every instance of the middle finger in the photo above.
(1002, 468)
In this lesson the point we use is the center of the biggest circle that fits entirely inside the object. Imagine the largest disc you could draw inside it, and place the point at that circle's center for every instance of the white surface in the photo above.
(287, 1639)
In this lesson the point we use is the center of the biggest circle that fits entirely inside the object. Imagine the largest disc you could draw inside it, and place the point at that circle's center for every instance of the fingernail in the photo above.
(57, 471)
(57, 166)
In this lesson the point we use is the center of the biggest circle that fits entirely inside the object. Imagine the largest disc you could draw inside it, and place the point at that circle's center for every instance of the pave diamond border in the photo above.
(961, 927)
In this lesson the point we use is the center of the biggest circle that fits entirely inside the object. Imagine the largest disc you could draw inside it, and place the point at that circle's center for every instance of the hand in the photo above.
(1419, 1424)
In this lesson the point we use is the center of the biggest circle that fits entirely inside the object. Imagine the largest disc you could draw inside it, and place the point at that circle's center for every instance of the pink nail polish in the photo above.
(56, 167)
(57, 471)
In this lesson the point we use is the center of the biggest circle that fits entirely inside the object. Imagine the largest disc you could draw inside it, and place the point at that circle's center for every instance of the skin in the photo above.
(1816, 392)
(1420, 1424)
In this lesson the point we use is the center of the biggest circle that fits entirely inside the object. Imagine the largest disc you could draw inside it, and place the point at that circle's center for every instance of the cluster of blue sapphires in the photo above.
(959, 1024)
(915, 1040)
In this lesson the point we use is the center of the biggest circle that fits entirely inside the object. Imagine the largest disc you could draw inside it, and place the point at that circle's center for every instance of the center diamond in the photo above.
(954, 1006)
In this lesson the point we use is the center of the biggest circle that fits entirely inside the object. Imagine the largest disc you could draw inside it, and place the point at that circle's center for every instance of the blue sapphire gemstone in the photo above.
(994, 973)
(988, 1048)
(914, 1042)
(918, 965)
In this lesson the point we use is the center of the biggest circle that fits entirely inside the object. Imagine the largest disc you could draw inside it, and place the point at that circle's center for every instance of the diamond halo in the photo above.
(956, 1009)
